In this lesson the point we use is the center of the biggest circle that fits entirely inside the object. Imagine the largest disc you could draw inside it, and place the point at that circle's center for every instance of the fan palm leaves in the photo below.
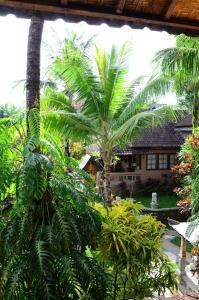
(181, 64)
(99, 104)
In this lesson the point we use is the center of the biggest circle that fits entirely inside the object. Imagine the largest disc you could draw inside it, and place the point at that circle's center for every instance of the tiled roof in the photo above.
(161, 137)
(167, 136)
(185, 122)
(164, 137)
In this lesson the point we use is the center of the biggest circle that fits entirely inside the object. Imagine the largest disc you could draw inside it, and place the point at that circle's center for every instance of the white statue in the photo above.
(154, 201)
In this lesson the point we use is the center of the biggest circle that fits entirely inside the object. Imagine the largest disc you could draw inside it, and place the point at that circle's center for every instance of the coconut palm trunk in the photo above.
(107, 185)
(106, 157)
(33, 65)
(195, 112)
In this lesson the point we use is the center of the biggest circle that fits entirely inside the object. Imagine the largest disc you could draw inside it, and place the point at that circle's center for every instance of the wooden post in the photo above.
(182, 260)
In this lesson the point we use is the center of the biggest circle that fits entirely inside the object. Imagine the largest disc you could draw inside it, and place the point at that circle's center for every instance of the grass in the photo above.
(164, 201)
(177, 241)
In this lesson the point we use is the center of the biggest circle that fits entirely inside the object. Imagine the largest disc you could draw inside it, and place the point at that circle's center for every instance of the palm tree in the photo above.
(99, 104)
(181, 64)
(33, 64)
(43, 240)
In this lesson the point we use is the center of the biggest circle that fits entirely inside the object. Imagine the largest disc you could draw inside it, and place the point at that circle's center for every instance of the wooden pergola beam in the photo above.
(136, 3)
(170, 9)
(64, 2)
(100, 2)
(76, 14)
(120, 6)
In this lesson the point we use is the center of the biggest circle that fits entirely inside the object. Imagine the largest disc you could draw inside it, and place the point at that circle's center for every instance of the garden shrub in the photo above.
(187, 174)
(153, 186)
(130, 247)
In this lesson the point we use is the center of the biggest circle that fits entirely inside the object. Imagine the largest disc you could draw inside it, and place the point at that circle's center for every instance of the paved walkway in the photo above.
(173, 253)
(170, 249)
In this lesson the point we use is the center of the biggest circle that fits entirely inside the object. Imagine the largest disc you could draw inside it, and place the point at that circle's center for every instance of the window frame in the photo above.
(158, 159)
(167, 162)
(175, 160)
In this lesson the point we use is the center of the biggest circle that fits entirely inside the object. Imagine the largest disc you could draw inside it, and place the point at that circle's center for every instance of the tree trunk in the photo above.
(107, 184)
(33, 65)
(66, 147)
(195, 112)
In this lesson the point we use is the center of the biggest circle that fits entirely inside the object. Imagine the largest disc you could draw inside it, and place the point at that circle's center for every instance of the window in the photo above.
(172, 160)
(151, 161)
(163, 161)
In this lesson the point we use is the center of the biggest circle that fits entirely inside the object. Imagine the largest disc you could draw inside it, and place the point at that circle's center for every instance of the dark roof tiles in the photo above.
(161, 137)
(185, 122)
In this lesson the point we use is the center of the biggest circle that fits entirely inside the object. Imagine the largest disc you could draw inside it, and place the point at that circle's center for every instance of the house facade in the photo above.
(149, 159)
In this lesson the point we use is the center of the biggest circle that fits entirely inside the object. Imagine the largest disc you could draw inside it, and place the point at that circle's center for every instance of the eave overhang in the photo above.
(173, 16)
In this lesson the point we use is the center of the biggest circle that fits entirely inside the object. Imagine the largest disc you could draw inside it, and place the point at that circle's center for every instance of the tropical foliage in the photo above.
(98, 103)
(57, 243)
(11, 140)
(181, 65)
(45, 235)
(187, 175)
(137, 266)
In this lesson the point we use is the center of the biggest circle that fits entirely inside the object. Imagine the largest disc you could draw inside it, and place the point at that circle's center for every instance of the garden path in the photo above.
(170, 249)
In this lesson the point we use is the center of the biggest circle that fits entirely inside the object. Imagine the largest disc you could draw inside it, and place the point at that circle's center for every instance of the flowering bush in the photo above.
(186, 173)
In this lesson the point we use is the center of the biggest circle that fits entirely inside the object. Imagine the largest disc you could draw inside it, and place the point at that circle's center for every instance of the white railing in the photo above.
(125, 176)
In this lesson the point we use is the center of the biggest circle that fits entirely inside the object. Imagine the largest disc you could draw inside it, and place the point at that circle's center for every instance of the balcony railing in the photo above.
(125, 176)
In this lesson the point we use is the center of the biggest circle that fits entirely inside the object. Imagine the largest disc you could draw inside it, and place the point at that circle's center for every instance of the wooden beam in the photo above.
(136, 4)
(100, 2)
(64, 2)
(97, 17)
(120, 6)
(170, 9)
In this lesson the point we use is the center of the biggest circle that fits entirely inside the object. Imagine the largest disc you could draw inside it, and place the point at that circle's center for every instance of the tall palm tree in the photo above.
(43, 241)
(99, 103)
(33, 64)
(181, 64)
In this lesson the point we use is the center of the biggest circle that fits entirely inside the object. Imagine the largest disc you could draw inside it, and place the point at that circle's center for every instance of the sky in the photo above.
(13, 49)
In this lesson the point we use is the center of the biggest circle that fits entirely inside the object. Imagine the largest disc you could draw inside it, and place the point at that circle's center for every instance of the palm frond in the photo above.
(135, 125)
(173, 59)
(113, 72)
(147, 94)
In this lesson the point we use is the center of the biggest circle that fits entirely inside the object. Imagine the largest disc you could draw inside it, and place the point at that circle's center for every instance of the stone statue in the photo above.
(154, 201)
